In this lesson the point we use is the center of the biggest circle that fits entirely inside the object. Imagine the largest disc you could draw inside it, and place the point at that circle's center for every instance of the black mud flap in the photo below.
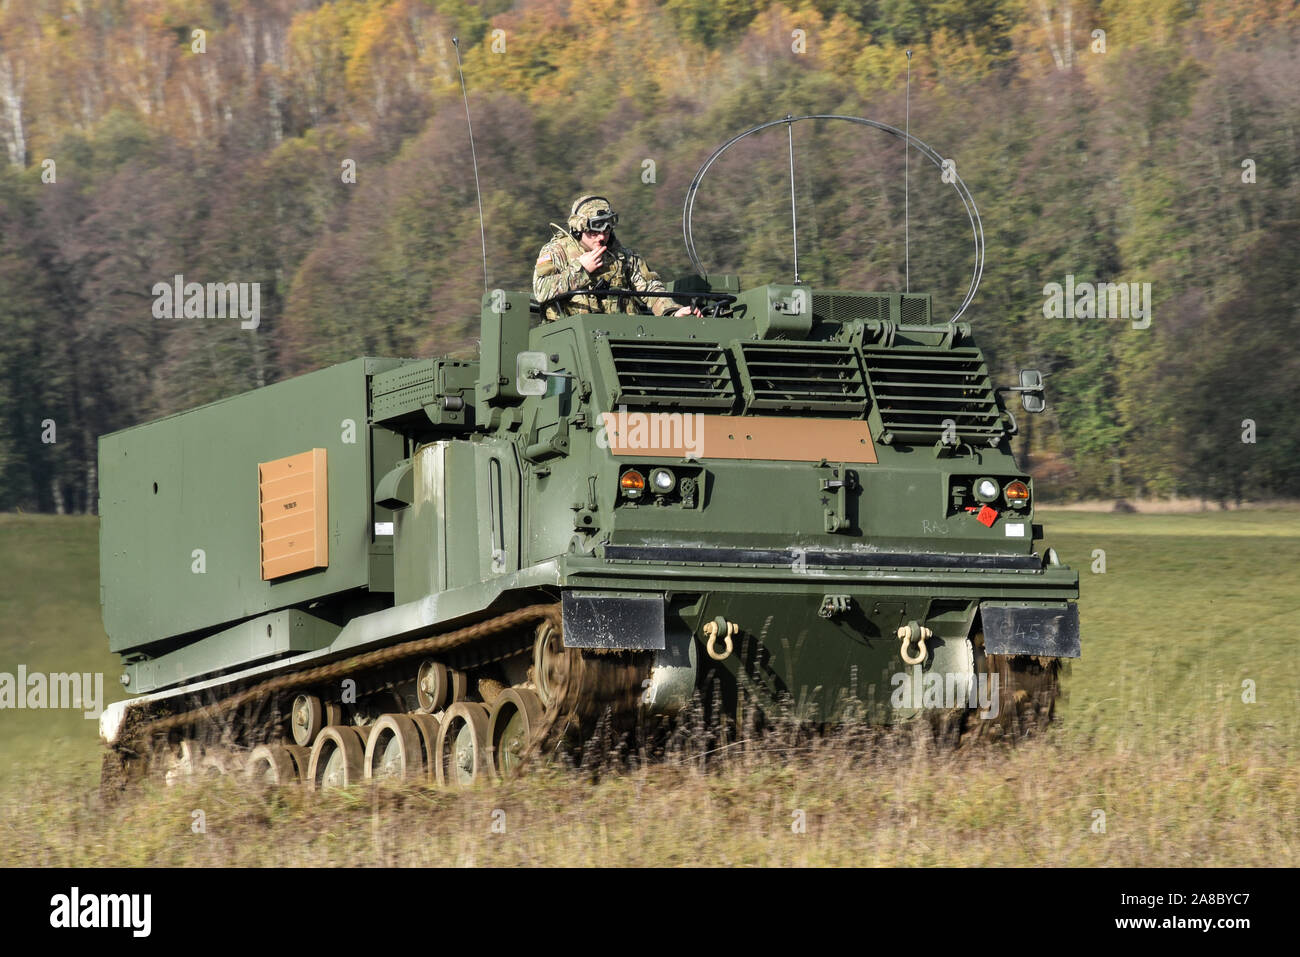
(1050, 631)
(618, 620)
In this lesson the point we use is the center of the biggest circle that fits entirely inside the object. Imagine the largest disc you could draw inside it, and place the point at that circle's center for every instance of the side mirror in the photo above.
(1031, 390)
(530, 373)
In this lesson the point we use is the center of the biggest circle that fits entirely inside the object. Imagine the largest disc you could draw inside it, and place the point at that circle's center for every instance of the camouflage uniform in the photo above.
(558, 270)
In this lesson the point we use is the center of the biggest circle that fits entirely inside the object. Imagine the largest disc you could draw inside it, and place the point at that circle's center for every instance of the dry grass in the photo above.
(1155, 734)
(1206, 798)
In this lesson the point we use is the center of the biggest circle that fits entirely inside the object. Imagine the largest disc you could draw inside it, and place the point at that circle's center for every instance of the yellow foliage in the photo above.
(878, 68)
(840, 43)
(957, 59)
(320, 42)
(603, 48)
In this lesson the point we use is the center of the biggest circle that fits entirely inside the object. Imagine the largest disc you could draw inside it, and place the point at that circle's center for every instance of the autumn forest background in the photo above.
(320, 149)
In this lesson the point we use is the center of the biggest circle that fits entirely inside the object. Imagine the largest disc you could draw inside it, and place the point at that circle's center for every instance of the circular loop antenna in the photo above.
(977, 227)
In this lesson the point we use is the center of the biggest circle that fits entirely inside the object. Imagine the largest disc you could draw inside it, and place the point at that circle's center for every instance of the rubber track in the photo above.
(382, 656)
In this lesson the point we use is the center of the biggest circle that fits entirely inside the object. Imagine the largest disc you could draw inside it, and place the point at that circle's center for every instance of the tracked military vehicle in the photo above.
(805, 498)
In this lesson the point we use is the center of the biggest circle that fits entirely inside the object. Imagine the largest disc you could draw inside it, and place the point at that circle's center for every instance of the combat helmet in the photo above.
(591, 212)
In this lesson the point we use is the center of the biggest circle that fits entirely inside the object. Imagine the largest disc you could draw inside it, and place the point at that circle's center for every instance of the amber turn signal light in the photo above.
(632, 481)
(1017, 494)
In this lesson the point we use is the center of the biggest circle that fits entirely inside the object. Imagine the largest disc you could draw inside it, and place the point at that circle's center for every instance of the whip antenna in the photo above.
(473, 155)
(906, 191)
(794, 215)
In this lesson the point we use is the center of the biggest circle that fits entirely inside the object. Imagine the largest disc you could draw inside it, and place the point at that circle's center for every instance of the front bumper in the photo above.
(866, 574)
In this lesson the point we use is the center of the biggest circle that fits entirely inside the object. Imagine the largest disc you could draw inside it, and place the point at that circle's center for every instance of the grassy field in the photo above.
(49, 622)
(1154, 740)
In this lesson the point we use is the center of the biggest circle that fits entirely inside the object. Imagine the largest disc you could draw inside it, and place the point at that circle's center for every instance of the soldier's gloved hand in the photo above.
(593, 259)
(688, 311)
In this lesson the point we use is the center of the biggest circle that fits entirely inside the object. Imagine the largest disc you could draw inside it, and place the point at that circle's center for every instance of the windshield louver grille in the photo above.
(914, 310)
(846, 307)
(801, 377)
(909, 309)
(650, 372)
(916, 390)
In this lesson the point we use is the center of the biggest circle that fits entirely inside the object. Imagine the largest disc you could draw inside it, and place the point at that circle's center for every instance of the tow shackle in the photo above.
(914, 633)
(720, 628)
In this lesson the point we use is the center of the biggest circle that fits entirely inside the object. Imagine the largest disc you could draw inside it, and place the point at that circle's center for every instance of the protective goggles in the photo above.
(602, 222)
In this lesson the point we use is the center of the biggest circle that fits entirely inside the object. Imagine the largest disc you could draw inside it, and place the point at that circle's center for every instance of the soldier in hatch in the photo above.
(587, 255)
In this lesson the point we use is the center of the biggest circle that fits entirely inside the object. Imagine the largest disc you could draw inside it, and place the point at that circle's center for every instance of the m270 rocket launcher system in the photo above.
(435, 566)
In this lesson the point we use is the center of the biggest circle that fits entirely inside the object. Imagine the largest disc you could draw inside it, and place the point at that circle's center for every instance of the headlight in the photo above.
(663, 481)
(986, 490)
